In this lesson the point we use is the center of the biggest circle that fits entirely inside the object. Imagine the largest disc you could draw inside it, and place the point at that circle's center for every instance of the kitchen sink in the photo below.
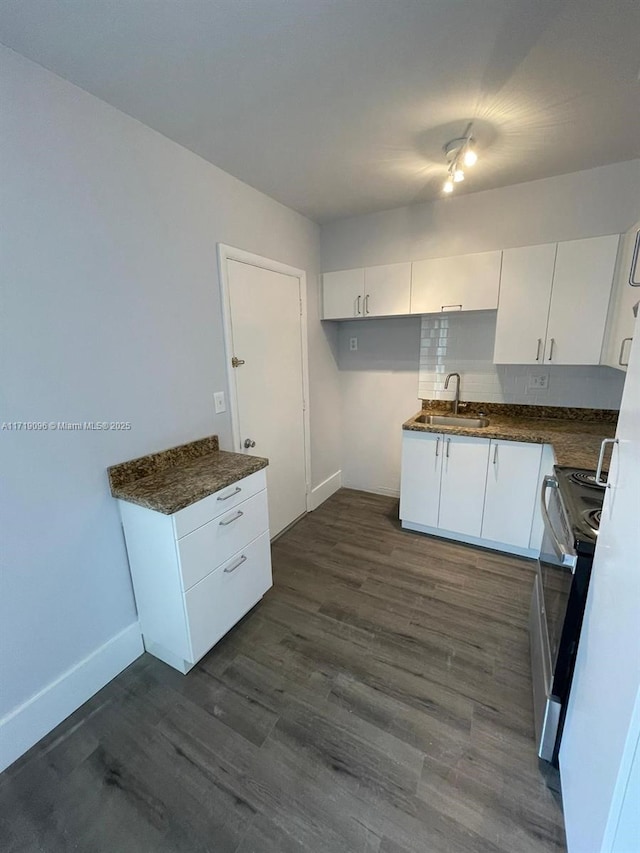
(453, 420)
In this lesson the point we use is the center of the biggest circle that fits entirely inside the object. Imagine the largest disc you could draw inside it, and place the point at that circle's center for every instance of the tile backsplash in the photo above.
(463, 343)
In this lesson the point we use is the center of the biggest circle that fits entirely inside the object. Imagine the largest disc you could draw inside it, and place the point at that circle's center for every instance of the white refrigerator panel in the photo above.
(599, 738)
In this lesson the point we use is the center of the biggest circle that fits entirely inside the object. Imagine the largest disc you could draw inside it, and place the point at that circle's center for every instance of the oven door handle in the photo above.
(562, 553)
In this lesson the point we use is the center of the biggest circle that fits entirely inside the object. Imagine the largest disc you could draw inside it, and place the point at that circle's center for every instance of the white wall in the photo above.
(379, 388)
(110, 311)
(583, 204)
(605, 200)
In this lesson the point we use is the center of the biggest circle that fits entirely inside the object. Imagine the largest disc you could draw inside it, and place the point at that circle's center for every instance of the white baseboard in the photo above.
(374, 490)
(487, 544)
(324, 490)
(23, 727)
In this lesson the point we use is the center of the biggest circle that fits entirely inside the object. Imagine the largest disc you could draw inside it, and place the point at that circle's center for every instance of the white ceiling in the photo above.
(338, 107)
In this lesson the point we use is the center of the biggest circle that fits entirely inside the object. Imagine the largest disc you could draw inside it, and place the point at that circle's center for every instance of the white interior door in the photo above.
(266, 332)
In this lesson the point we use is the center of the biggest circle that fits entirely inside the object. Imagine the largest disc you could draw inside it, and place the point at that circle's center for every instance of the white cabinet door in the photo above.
(462, 283)
(523, 307)
(387, 290)
(343, 294)
(621, 320)
(580, 299)
(420, 479)
(512, 489)
(464, 475)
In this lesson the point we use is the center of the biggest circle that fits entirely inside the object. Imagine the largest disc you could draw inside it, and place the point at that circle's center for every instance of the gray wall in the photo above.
(111, 311)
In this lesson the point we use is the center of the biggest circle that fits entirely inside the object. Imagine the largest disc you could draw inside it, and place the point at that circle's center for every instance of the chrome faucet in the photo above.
(456, 399)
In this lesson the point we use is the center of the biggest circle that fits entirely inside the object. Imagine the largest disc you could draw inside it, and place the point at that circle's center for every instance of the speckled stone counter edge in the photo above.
(513, 410)
(171, 480)
(575, 440)
(143, 466)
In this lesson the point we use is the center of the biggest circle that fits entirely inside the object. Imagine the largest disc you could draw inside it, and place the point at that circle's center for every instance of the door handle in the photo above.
(249, 443)
(238, 515)
(495, 454)
(448, 446)
(358, 311)
(538, 350)
(603, 447)
(457, 305)
(620, 361)
(366, 304)
(553, 340)
(558, 547)
(634, 262)
(437, 445)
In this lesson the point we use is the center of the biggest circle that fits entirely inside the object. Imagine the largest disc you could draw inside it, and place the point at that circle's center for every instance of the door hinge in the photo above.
(236, 362)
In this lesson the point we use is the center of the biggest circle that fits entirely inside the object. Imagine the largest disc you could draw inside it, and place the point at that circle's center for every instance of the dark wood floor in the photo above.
(377, 700)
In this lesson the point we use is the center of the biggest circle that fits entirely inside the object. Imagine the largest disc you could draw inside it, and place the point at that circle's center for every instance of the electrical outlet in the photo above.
(219, 403)
(538, 382)
(353, 344)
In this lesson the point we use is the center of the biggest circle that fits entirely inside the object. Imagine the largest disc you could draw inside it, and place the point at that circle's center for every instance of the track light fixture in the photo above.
(459, 153)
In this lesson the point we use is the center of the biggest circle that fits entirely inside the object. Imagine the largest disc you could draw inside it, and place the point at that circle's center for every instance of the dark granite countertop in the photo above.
(575, 434)
(175, 478)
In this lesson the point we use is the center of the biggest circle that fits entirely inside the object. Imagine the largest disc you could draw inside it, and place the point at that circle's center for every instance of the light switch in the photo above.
(219, 403)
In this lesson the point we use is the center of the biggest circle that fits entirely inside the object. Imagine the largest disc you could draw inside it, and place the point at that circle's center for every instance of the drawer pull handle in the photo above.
(238, 515)
(230, 495)
(237, 565)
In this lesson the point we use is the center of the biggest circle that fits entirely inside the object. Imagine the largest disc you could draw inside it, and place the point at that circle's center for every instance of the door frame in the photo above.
(228, 253)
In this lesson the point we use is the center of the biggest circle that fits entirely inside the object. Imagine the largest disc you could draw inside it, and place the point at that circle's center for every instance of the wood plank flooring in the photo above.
(378, 700)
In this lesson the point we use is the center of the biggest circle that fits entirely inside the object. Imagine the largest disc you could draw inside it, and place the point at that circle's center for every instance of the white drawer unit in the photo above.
(197, 572)
(214, 605)
(205, 548)
(199, 513)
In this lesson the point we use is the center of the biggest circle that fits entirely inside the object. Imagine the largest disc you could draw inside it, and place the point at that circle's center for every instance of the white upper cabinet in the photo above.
(523, 312)
(462, 283)
(387, 290)
(580, 299)
(343, 294)
(382, 291)
(553, 302)
(625, 295)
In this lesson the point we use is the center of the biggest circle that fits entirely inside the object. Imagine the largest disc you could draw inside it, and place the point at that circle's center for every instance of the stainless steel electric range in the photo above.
(571, 503)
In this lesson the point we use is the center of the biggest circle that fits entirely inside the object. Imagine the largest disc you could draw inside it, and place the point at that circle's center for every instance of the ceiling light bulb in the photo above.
(448, 186)
(470, 157)
(458, 175)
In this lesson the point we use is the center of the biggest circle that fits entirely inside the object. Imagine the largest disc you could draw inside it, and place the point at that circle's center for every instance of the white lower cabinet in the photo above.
(511, 493)
(470, 488)
(464, 474)
(197, 572)
(421, 472)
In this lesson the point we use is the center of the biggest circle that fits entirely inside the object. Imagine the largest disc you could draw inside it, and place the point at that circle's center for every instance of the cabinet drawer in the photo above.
(214, 605)
(199, 513)
(213, 543)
